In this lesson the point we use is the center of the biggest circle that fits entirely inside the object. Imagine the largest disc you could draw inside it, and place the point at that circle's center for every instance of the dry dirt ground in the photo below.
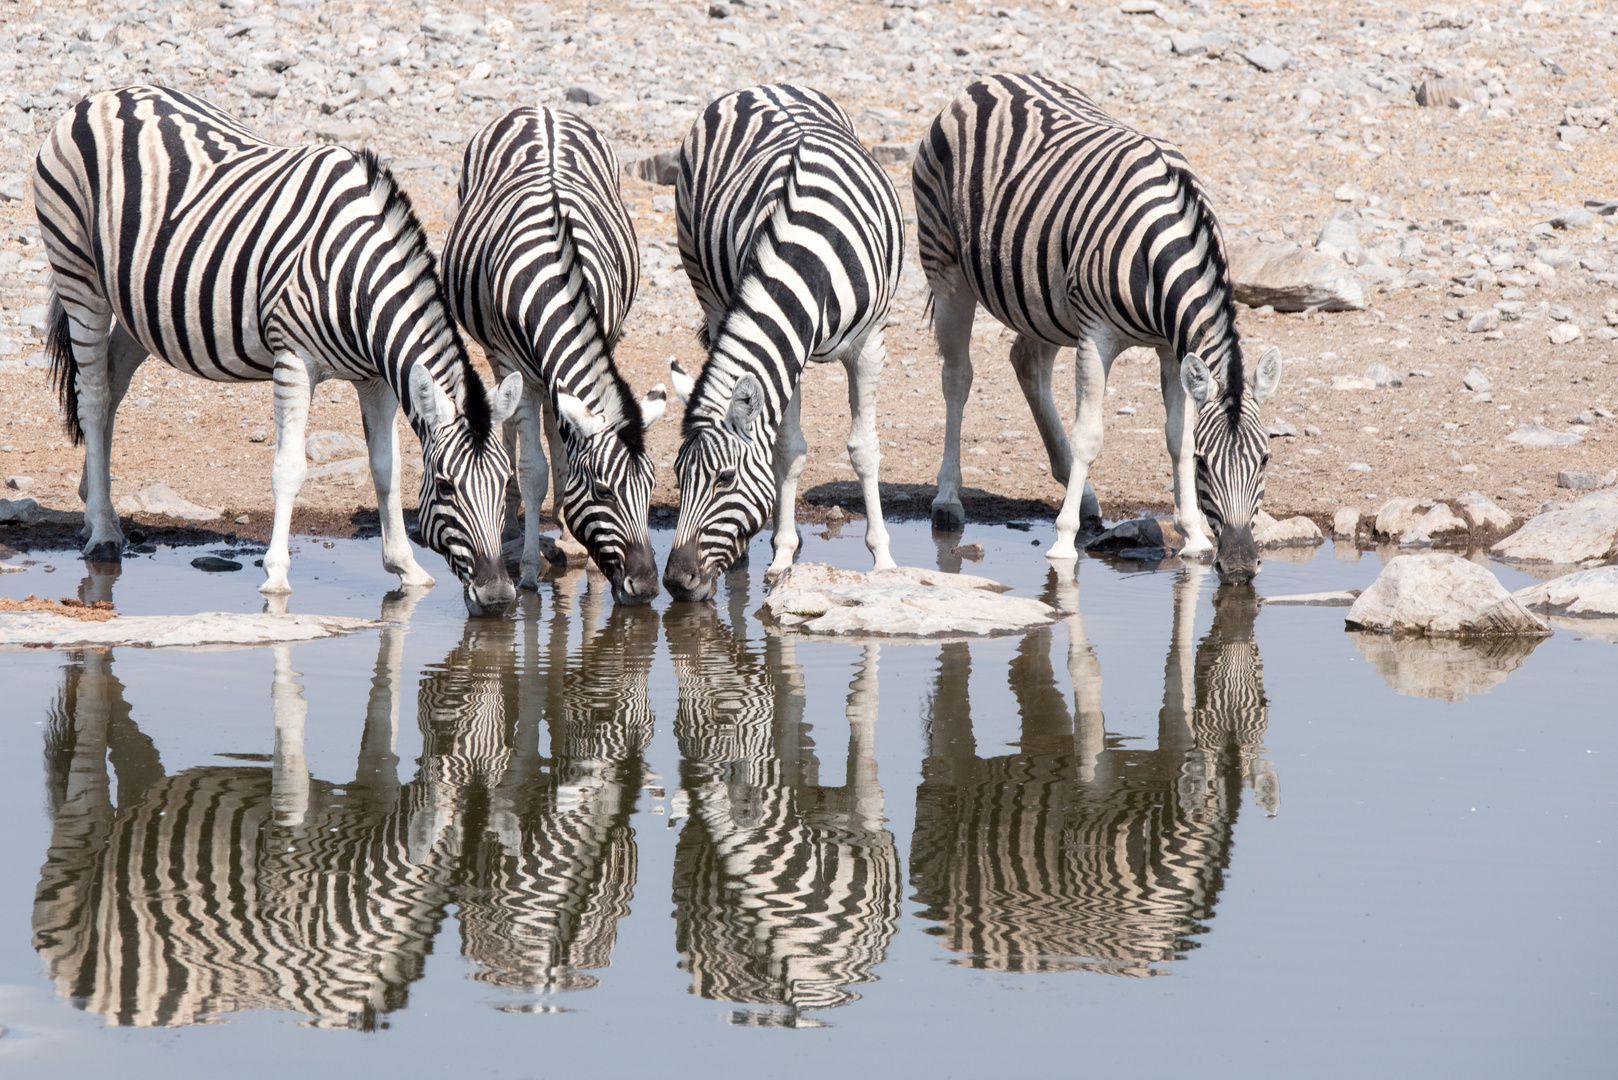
(1438, 194)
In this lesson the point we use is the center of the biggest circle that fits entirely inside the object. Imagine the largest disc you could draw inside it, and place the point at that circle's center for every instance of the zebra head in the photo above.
(464, 469)
(727, 487)
(607, 494)
(1232, 450)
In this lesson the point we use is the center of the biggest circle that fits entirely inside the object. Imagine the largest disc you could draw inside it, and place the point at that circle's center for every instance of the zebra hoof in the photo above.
(947, 520)
(106, 551)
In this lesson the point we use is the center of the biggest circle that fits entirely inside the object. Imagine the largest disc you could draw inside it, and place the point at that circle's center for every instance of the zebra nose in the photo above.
(1236, 558)
(683, 576)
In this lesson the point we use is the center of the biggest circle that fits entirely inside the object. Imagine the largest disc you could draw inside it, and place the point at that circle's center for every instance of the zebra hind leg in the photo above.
(790, 449)
(954, 307)
(379, 409)
(864, 367)
(294, 383)
(1033, 362)
(80, 342)
(124, 356)
(1091, 362)
(533, 476)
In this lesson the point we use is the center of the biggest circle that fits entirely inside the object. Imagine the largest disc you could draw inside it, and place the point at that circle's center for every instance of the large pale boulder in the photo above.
(1585, 602)
(1399, 515)
(1444, 596)
(907, 601)
(159, 498)
(1289, 277)
(1293, 532)
(1588, 529)
(1436, 525)
(1483, 513)
(211, 629)
(1444, 668)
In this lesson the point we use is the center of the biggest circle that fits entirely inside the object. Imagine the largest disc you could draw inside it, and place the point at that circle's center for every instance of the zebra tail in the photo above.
(702, 336)
(927, 309)
(64, 368)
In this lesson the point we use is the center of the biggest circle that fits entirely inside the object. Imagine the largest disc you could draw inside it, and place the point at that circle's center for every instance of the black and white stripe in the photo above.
(792, 237)
(1074, 229)
(541, 266)
(173, 231)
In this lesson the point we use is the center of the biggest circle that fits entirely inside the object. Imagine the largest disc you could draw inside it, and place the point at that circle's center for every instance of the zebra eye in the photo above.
(726, 479)
(446, 489)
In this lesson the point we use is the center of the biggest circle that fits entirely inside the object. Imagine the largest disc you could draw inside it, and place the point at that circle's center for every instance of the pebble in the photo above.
(19, 483)
(1583, 481)
(1564, 333)
(1476, 381)
(213, 564)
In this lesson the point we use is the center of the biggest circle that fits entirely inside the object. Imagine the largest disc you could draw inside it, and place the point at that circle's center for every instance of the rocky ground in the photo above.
(1466, 219)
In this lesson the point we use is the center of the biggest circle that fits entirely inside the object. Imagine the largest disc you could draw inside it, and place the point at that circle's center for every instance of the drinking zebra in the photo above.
(176, 232)
(540, 265)
(1072, 228)
(791, 235)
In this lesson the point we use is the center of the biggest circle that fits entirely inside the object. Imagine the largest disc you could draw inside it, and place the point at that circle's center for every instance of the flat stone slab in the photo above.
(211, 630)
(905, 602)
(1345, 598)
(161, 499)
(1442, 596)
(1292, 278)
(1591, 594)
(1588, 529)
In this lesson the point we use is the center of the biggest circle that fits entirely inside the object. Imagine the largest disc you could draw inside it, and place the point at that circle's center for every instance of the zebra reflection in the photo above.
(786, 891)
(1077, 852)
(227, 888)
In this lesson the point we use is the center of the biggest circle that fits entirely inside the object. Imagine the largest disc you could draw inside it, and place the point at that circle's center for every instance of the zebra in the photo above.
(175, 232)
(792, 237)
(1070, 854)
(540, 264)
(1074, 229)
(786, 890)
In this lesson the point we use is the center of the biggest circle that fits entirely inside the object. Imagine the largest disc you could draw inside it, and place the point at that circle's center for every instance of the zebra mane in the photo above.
(630, 430)
(1232, 377)
(438, 334)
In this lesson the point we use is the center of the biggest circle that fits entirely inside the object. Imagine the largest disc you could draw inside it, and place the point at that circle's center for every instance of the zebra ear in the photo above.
(1197, 379)
(507, 396)
(652, 405)
(577, 415)
(1267, 375)
(746, 402)
(429, 400)
(683, 383)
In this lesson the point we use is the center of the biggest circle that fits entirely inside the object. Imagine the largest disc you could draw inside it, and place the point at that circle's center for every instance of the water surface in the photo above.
(1176, 831)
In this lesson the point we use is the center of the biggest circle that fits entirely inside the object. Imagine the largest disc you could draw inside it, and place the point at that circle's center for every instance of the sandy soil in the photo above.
(1465, 184)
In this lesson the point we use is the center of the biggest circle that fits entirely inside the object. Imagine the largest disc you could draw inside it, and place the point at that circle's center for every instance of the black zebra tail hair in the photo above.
(64, 368)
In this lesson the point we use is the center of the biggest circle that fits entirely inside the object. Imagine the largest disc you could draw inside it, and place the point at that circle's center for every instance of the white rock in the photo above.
(13, 187)
(1445, 668)
(1439, 523)
(1338, 238)
(1345, 524)
(1482, 513)
(1564, 333)
(1476, 381)
(216, 629)
(1344, 598)
(907, 601)
(1586, 530)
(1291, 278)
(1591, 593)
(1399, 515)
(1293, 532)
(159, 498)
(1270, 58)
(323, 446)
(1534, 435)
(1441, 595)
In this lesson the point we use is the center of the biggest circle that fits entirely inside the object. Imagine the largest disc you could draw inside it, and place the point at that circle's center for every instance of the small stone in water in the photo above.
(213, 564)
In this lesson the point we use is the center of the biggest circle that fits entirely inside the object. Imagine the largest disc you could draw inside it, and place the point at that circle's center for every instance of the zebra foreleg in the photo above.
(1179, 430)
(864, 367)
(1090, 363)
(790, 448)
(533, 476)
(954, 306)
(378, 410)
(572, 552)
(294, 384)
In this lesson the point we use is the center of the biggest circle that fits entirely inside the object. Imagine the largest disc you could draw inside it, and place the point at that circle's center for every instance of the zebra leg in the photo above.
(1032, 361)
(954, 306)
(864, 366)
(294, 383)
(1091, 362)
(378, 410)
(533, 475)
(124, 355)
(90, 339)
(572, 552)
(790, 448)
(1179, 429)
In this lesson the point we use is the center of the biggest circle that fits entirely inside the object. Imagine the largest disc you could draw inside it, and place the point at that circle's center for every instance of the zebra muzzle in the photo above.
(684, 577)
(1236, 556)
